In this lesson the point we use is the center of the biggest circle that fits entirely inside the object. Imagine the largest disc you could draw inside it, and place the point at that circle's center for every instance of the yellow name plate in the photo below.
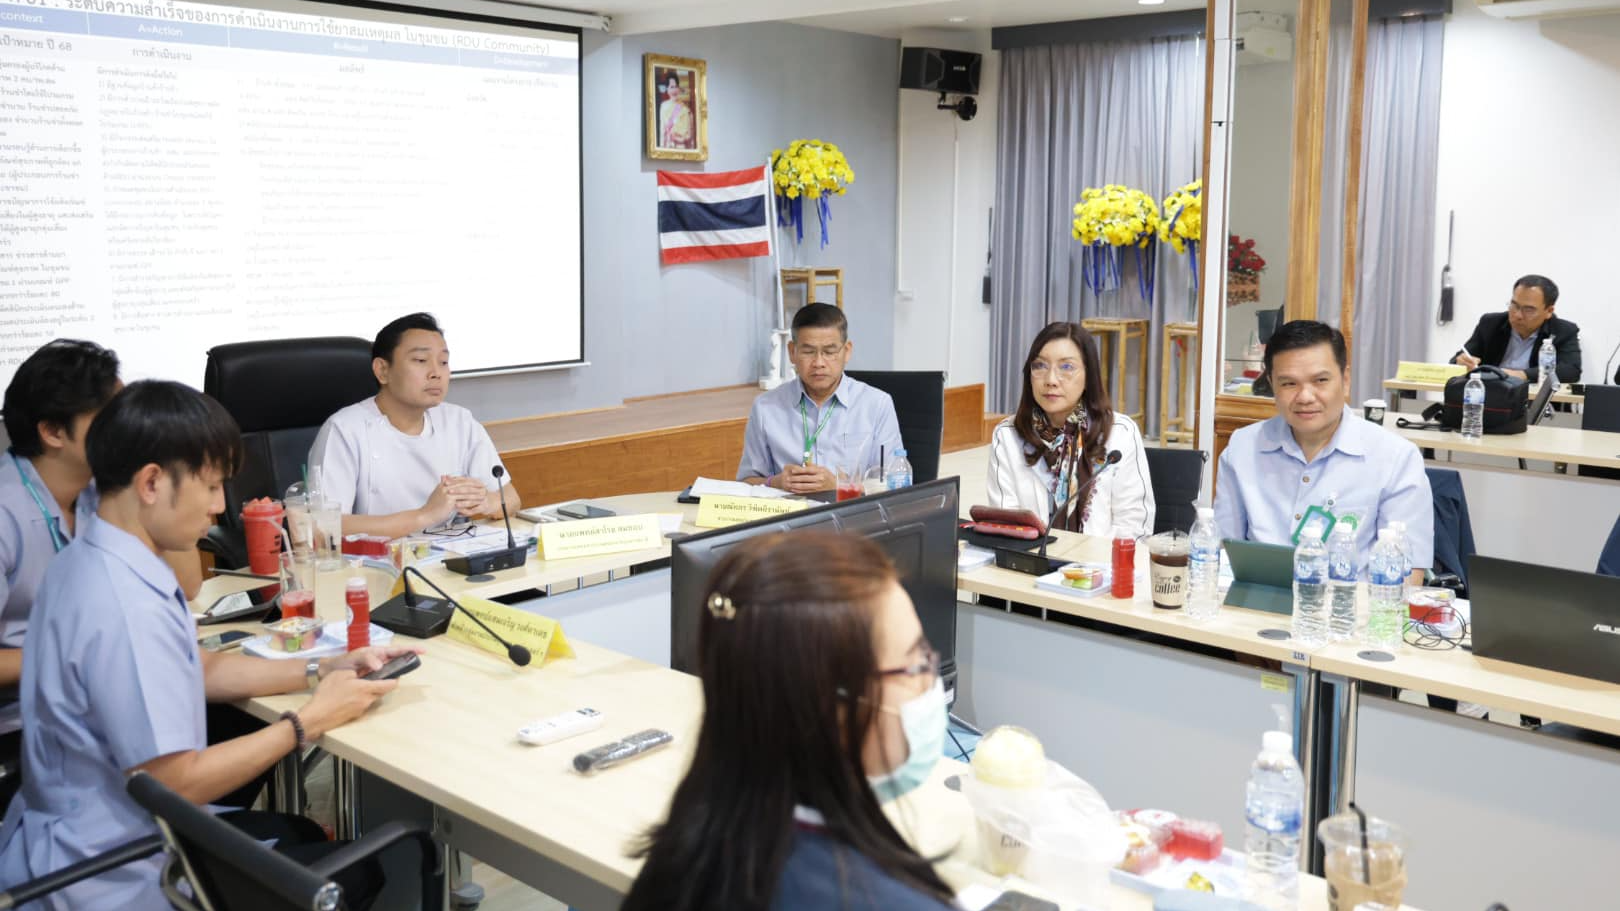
(542, 636)
(1419, 372)
(594, 537)
(720, 511)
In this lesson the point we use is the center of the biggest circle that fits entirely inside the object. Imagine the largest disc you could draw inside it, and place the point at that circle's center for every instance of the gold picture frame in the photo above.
(677, 128)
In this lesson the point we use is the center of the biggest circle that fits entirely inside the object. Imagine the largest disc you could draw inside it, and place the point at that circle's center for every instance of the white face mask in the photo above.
(923, 719)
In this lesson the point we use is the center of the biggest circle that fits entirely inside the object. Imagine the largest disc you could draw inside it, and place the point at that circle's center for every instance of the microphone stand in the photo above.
(423, 618)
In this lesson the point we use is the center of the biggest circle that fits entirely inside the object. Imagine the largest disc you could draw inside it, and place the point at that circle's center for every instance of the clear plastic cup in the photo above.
(1168, 555)
(1348, 868)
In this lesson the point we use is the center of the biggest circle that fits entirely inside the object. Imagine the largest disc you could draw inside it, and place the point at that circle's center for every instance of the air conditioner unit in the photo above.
(1269, 37)
(1546, 9)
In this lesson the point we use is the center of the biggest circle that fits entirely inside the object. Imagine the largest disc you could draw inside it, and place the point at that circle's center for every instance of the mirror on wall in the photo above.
(1258, 197)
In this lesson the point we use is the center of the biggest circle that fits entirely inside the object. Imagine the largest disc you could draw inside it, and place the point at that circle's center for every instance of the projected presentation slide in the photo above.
(175, 176)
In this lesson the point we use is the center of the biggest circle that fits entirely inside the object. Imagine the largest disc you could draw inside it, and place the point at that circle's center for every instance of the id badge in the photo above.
(1319, 520)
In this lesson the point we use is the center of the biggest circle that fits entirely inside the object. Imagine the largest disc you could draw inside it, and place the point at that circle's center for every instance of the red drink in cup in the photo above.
(261, 525)
(851, 490)
(298, 604)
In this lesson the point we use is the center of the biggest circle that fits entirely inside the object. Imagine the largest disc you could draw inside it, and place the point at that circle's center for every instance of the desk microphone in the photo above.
(1610, 363)
(1037, 564)
(1109, 461)
(500, 490)
(427, 617)
(489, 561)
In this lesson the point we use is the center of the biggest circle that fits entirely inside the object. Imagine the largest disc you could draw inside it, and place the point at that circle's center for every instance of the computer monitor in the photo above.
(915, 526)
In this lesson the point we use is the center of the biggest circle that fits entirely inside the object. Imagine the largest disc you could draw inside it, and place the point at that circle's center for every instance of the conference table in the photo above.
(1480, 798)
(1540, 442)
(447, 736)
(1150, 708)
(1395, 388)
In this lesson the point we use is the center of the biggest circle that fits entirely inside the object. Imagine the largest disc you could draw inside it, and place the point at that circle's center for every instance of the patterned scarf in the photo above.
(1065, 448)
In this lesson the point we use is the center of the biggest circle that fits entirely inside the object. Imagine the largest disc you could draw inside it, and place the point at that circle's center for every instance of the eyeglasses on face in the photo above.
(925, 665)
(1067, 370)
(1525, 310)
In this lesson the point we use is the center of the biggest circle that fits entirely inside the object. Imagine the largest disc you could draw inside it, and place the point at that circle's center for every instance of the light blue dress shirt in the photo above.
(1519, 352)
(112, 680)
(1264, 485)
(28, 513)
(854, 423)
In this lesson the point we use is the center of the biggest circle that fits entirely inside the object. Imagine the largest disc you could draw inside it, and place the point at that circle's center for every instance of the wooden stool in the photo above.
(1176, 428)
(813, 280)
(1113, 337)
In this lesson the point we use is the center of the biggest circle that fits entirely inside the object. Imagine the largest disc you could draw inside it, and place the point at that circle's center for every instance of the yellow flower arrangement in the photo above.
(1183, 222)
(808, 169)
(1116, 216)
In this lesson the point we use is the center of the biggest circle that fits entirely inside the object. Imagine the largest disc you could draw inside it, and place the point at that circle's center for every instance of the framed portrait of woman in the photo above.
(677, 120)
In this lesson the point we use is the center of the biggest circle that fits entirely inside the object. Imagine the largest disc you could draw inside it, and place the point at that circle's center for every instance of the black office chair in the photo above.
(919, 405)
(1177, 476)
(280, 393)
(19, 895)
(226, 868)
(1601, 412)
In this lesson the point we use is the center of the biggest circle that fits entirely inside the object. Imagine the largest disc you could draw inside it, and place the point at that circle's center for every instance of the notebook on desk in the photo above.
(1262, 576)
(1557, 619)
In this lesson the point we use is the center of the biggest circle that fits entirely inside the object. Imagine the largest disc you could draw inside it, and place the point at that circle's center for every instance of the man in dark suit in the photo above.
(1512, 340)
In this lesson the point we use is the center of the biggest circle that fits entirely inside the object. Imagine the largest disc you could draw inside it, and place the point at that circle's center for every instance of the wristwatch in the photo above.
(312, 672)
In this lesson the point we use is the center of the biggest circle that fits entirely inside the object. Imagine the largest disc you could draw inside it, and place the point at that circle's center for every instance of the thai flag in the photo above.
(713, 216)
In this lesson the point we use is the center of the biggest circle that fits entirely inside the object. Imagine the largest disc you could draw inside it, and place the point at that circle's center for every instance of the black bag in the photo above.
(1507, 402)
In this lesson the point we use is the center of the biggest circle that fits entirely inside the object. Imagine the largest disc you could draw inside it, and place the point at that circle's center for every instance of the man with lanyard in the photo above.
(114, 681)
(45, 495)
(1317, 460)
(800, 433)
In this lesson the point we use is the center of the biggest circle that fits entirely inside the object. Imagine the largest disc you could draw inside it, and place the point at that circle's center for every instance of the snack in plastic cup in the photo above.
(1084, 576)
(1010, 759)
(293, 634)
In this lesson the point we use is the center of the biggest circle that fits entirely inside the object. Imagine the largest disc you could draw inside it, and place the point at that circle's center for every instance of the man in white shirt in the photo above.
(407, 460)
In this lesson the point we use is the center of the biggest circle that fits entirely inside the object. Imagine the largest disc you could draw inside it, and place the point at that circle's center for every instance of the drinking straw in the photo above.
(1361, 817)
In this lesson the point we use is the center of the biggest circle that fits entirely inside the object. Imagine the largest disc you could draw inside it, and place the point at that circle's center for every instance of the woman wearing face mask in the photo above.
(1050, 457)
(822, 700)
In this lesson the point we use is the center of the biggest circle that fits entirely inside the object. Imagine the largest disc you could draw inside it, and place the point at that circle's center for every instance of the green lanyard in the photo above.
(811, 438)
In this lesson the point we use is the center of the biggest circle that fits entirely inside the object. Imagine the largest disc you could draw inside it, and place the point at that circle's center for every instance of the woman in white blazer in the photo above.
(1050, 456)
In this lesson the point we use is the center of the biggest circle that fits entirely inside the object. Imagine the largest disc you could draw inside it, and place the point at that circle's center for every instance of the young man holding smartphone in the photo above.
(113, 680)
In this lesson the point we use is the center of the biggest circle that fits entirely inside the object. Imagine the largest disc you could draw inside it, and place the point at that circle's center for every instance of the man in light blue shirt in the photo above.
(1318, 453)
(803, 431)
(113, 681)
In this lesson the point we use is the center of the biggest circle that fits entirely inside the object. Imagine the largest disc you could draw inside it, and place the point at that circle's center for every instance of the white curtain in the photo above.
(1400, 158)
(1076, 116)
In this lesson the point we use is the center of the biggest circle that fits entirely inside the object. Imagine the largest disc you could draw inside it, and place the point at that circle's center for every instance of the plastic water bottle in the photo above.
(1273, 812)
(1310, 588)
(1204, 568)
(899, 473)
(1473, 420)
(1548, 361)
(1344, 571)
(1398, 528)
(1386, 592)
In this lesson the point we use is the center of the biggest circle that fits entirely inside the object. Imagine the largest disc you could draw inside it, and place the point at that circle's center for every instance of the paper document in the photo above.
(706, 486)
(483, 538)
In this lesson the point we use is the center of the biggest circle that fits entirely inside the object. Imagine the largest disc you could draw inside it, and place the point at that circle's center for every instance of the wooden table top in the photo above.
(1459, 674)
(1396, 385)
(1541, 442)
(1237, 629)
